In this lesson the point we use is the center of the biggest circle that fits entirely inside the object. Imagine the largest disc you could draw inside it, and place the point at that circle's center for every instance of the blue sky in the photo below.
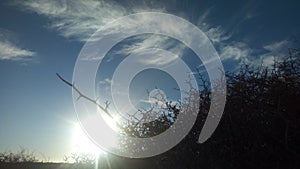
(40, 38)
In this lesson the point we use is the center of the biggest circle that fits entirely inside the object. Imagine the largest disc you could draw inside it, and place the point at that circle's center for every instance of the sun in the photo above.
(82, 144)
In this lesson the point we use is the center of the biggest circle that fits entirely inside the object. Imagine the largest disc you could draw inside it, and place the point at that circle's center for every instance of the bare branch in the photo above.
(81, 95)
(156, 110)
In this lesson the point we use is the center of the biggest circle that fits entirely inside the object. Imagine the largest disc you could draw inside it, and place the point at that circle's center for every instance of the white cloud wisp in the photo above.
(10, 51)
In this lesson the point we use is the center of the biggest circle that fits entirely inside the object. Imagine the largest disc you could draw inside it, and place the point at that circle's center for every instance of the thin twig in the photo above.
(144, 113)
(81, 95)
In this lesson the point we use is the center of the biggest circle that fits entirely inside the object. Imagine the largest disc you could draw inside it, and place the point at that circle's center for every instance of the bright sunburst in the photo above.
(82, 144)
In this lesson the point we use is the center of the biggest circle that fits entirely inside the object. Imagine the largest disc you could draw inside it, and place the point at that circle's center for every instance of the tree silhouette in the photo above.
(22, 156)
(260, 125)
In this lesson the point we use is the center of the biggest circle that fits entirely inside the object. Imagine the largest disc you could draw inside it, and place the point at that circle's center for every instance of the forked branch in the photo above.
(81, 95)
(145, 114)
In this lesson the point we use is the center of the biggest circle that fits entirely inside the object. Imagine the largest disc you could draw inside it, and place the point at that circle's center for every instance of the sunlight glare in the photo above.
(112, 123)
(82, 144)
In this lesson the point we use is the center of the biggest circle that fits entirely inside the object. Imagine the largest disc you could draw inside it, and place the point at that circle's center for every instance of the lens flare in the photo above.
(82, 144)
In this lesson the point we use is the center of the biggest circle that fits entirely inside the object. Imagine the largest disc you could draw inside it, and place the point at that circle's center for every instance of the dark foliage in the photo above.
(259, 128)
(22, 156)
(260, 125)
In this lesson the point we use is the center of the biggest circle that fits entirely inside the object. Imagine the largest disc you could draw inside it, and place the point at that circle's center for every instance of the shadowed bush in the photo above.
(22, 156)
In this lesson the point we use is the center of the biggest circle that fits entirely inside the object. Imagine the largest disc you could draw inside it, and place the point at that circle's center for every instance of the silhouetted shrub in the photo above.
(260, 125)
(22, 156)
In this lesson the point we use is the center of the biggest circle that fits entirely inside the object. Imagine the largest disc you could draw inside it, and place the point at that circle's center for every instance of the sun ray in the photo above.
(82, 144)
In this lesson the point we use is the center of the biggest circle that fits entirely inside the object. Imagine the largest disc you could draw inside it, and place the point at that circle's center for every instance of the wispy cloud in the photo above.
(155, 41)
(10, 51)
(78, 19)
(276, 50)
(278, 46)
(75, 19)
(106, 81)
(144, 43)
(227, 48)
(238, 51)
(216, 34)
